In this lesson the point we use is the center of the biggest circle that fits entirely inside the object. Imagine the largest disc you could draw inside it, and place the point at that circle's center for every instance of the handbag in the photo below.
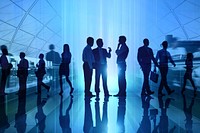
(154, 76)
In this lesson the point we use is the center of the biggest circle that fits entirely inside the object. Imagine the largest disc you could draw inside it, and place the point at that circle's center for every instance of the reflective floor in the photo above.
(132, 114)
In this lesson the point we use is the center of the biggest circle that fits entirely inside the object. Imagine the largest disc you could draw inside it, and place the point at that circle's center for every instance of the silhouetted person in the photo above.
(121, 114)
(88, 122)
(100, 55)
(20, 116)
(163, 125)
(65, 119)
(144, 57)
(88, 62)
(64, 68)
(40, 74)
(188, 73)
(5, 69)
(3, 117)
(122, 53)
(145, 125)
(101, 124)
(188, 114)
(163, 56)
(22, 73)
(53, 57)
(40, 117)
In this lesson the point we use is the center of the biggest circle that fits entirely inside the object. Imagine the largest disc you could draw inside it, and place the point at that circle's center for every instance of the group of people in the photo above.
(96, 59)
(23, 66)
(145, 56)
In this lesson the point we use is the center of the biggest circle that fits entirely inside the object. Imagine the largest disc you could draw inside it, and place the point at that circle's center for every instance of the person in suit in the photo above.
(88, 62)
(40, 74)
(64, 68)
(163, 56)
(100, 55)
(188, 73)
(5, 69)
(53, 59)
(22, 73)
(144, 57)
(122, 53)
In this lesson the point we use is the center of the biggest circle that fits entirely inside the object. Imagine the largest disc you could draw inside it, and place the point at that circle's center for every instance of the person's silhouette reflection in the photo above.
(40, 117)
(88, 122)
(65, 119)
(145, 125)
(101, 124)
(188, 114)
(20, 116)
(3, 119)
(164, 122)
(121, 114)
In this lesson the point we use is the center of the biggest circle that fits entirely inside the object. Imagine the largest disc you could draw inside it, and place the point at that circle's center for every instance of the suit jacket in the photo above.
(105, 55)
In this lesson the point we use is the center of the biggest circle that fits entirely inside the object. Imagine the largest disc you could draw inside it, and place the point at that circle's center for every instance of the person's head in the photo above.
(22, 55)
(146, 42)
(66, 48)
(90, 41)
(189, 56)
(4, 49)
(122, 39)
(41, 56)
(165, 44)
(51, 47)
(99, 42)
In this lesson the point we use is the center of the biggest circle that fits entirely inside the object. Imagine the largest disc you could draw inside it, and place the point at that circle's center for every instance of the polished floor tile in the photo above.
(131, 114)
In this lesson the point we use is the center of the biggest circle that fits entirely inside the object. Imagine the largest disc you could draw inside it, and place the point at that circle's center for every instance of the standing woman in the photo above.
(164, 56)
(5, 68)
(64, 68)
(40, 74)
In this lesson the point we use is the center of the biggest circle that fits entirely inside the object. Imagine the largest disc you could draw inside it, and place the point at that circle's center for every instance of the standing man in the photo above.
(144, 57)
(88, 61)
(22, 73)
(5, 69)
(122, 53)
(100, 55)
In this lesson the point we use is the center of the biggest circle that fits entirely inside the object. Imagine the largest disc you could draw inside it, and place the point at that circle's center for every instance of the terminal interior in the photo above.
(30, 26)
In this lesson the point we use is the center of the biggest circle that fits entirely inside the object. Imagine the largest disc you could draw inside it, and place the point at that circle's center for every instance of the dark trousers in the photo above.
(68, 81)
(101, 70)
(146, 70)
(22, 84)
(4, 77)
(188, 75)
(40, 84)
(87, 77)
(122, 78)
(163, 83)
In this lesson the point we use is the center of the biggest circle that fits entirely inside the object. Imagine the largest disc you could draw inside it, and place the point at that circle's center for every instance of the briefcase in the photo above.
(154, 76)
